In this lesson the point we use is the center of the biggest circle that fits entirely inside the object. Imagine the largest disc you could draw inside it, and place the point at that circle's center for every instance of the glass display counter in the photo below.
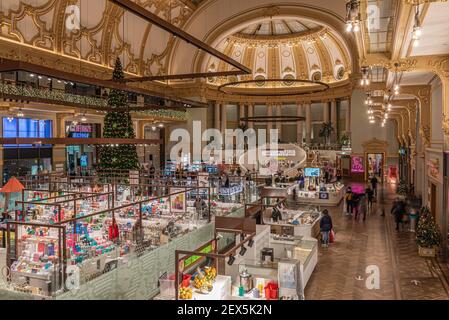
(294, 223)
(327, 195)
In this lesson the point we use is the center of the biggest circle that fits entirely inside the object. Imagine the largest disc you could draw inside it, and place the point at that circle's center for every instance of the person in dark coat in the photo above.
(374, 183)
(325, 227)
(398, 210)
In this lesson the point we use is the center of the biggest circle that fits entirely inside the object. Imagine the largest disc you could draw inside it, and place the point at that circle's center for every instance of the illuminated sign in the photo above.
(80, 131)
(357, 164)
(279, 153)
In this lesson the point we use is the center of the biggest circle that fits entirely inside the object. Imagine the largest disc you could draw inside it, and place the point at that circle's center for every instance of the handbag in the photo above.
(332, 236)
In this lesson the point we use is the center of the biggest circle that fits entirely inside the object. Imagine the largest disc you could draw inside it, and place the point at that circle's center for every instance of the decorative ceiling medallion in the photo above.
(237, 53)
(340, 73)
(259, 80)
(286, 53)
(310, 50)
(261, 55)
(288, 80)
(317, 76)
(260, 70)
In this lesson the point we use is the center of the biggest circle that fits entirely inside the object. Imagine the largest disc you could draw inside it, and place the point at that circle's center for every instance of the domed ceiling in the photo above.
(283, 49)
(105, 31)
(276, 27)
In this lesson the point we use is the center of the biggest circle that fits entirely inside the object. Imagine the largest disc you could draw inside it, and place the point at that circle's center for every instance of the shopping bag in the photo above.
(331, 236)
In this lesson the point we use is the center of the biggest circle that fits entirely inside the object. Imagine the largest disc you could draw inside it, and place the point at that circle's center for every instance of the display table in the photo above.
(221, 290)
(331, 197)
(296, 223)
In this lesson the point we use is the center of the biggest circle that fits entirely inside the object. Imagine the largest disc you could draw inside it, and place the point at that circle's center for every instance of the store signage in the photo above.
(279, 153)
(231, 190)
(357, 164)
(133, 177)
(80, 131)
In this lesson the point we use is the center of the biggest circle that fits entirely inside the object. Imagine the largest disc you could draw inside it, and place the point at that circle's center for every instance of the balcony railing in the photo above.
(22, 92)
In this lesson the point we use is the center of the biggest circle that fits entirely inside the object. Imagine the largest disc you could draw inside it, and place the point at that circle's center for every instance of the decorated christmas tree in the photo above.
(427, 234)
(402, 189)
(118, 124)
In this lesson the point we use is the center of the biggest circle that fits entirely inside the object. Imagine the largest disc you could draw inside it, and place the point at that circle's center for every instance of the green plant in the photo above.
(402, 189)
(345, 140)
(118, 124)
(326, 131)
(427, 233)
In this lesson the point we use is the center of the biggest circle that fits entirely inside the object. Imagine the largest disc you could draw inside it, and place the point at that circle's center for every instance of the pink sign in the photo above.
(357, 164)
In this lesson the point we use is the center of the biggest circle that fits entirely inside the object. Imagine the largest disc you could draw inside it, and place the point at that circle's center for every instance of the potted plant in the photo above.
(345, 141)
(427, 234)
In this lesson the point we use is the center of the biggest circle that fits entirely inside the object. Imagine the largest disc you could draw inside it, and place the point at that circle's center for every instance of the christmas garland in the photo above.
(58, 95)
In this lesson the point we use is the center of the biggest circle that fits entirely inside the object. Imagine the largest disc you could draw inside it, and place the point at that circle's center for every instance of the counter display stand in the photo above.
(331, 195)
(291, 270)
(295, 223)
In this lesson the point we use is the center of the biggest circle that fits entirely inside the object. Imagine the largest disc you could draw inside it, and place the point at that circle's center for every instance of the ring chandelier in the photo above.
(272, 93)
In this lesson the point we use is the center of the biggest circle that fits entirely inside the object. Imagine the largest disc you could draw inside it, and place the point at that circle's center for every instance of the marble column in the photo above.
(334, 120)
(300, 124)
(251, 114)
(217, 124)
(279, 123)
(223, 117)
(269, 123)
(241, 113)
(308, 107)
(348, 116)
(326, 111)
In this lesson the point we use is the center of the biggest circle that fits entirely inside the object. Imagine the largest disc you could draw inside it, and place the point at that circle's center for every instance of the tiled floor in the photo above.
(341, 270)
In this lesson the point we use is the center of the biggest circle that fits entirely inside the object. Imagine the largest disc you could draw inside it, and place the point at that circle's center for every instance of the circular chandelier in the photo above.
(260, 82)
(273, 119)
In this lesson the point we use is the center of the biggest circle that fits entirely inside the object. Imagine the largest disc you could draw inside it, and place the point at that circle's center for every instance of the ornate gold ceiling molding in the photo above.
(316, 14)
(416, 2)
(101, 42)
(210, 93)
(276, 39)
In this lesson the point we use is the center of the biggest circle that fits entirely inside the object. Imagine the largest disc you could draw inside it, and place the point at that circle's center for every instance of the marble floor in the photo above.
(341, 273)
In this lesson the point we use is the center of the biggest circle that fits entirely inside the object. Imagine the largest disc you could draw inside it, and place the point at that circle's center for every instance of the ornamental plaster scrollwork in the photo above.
(424, 132)
(440, 67)
(271, 11)
(445, 125)
(403, 65)
(42, 25)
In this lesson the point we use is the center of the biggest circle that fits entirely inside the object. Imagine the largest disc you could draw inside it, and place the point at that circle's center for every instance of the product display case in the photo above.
(293, 223)
(326, 195)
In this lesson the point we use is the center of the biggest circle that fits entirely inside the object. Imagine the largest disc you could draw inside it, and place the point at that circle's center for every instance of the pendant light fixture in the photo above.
(417, 31)
(353, 16)
(366, 72)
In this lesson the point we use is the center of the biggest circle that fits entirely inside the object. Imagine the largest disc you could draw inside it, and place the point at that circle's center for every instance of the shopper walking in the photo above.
(363, 208)
(413, 218)
(349, 201)
(374, 183)
(356, 205)
(369, 198)
(399, 212)
(325, 227)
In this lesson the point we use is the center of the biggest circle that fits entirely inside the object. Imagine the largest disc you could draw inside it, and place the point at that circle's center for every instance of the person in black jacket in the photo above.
(325, 227)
